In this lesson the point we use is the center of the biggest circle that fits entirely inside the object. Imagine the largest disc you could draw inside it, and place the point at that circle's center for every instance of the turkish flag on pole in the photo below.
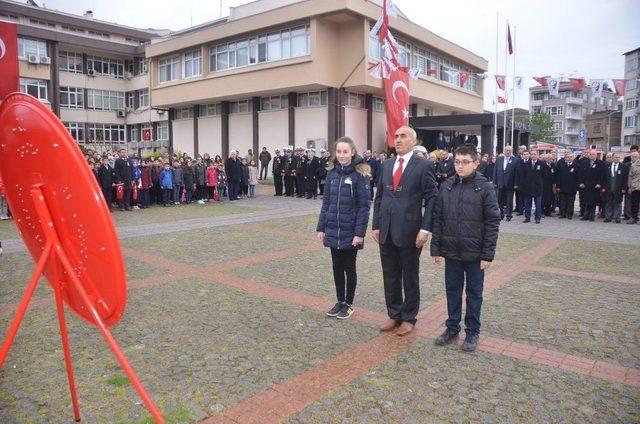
(541, 80)
(509, 43)
(578, 83)
(620, 85)
(502, 99)
(464, 76)
(9, 80)
(396, 90)
(500, 79)
(146, 135)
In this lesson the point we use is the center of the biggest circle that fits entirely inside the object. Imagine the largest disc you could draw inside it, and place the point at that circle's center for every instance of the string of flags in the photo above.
(577, 84)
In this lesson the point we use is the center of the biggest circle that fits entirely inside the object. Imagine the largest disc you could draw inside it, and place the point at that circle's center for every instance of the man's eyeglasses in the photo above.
(463, 162)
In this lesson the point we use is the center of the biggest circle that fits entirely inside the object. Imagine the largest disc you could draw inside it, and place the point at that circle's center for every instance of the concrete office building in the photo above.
(631, 110)
(296, 72)
(92, 73)
(603, 129)
(569, 110)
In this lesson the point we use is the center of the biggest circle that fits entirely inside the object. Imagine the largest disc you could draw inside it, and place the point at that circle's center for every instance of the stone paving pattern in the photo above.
(225, 337)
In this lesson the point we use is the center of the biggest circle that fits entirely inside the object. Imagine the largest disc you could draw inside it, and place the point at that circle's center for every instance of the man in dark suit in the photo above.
(504, 178)
(401, 228)
(441, 142)
(473, 140)
(446, 168)
(105, 179)
(566, 183)
(591, 182)
(615, 185)
(124, 176)
(530, 181)
(233, 169)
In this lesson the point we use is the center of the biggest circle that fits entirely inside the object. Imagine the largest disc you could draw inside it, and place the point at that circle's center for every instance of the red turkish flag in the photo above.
(432, 72)
(577, 83)
(396, 90)
(9, 79)
(500, 79)
(146, 135)
(502, 99)
(541, 80)
(620, 85)
(464, 76)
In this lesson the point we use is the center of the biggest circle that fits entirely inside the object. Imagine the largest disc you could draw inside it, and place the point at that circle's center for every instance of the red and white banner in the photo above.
(620, 85)
(541, 80)
(9, 79)
(577, 83)
(500, 79)
(396, 90)
(502, 99)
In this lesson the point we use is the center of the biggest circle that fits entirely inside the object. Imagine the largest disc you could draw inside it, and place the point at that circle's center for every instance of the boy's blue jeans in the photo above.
(454, 277)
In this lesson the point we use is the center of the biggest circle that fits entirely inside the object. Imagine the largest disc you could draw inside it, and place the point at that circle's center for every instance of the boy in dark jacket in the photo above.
(188, 178)
(166, 182)
(466, 220)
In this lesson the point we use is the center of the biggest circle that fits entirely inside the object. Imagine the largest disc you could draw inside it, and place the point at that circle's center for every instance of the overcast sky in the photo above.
(553, 37)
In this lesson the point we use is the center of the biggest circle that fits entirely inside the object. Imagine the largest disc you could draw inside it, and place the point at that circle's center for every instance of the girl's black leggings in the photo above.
(344, 264)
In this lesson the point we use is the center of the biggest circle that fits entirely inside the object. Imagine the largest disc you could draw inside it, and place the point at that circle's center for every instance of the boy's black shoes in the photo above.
(345, 312)
(333, 312)
(470, 342)
(447, 337)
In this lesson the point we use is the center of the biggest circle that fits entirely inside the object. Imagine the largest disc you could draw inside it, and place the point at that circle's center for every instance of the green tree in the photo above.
(545, 126)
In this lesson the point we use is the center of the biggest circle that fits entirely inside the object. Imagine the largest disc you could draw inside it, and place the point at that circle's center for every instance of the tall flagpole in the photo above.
(506, 92)
(513, 104)
(495, 98)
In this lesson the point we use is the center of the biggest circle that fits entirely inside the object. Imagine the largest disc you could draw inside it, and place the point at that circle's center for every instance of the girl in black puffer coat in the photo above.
(343, 219)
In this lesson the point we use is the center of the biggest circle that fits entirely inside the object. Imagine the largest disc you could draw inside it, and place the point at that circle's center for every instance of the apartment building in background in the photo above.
(569, 110)
(631, 108)
(278, 73)
(93, 74)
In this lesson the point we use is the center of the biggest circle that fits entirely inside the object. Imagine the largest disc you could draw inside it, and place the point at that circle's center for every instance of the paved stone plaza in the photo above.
(225, 324)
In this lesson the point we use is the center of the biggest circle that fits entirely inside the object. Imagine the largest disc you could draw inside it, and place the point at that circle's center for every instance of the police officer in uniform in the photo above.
(289, 173)
(301, 170)
(277, 169)
(311, 174)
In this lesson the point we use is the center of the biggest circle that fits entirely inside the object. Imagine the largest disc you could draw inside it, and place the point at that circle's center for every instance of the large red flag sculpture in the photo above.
(395, 78)
(8, 58)
(65, 224)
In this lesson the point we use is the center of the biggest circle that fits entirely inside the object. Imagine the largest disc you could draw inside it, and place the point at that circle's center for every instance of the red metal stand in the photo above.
(54, 255)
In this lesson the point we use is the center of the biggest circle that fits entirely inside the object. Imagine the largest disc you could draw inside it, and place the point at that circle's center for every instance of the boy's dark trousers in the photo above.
(145, 197)
(125, 202)
(277, 182)
(166, 196)
(106, 192)
(454, 278)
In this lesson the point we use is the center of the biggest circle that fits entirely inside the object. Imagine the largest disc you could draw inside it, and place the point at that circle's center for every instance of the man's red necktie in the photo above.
(397, 176)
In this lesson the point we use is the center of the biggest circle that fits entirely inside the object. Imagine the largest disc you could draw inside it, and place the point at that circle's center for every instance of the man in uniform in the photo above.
(311, 174)
(289, 173)
(277, 170)
(591, 181)
(322, 170)
(301, 169)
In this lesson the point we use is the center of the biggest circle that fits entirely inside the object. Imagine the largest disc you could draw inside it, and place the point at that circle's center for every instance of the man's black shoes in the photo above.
(447, 337)
(470, 342)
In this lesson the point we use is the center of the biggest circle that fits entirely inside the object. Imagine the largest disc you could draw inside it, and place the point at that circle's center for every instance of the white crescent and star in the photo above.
(3, 48)
(395, 86)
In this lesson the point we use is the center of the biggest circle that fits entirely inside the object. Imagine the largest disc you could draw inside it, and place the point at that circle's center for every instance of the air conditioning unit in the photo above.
(45, 60)
(121, 113)
(33, 58)
(160, 112)
(91, 72)
(128, 109)
(128, 75)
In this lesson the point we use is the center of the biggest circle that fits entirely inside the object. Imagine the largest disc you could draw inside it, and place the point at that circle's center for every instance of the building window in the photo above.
(630, 121)
(39, 22)
(555, 110)
(378, 104)
(537, 109)
(241, 106)
(28, 47)
(135, 133)
(270, 47)
(632, 103)
(163, 130)
(107, 67)
(184, 113)
(597, 127)
(76, 129)
(107, 132)
(274, 102)
(144, 97)
(426, 62)
(98, 34)
(169, 68)
(192, 63)
(210, 109)
(375, 51)
(557, 125)
(312, 99)
(632, 84)
(538, 96)
(35, 87)
(70, 62)
(72, 97)
(70, 28)
(105, 100)
(355, 100)
(131, 100)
